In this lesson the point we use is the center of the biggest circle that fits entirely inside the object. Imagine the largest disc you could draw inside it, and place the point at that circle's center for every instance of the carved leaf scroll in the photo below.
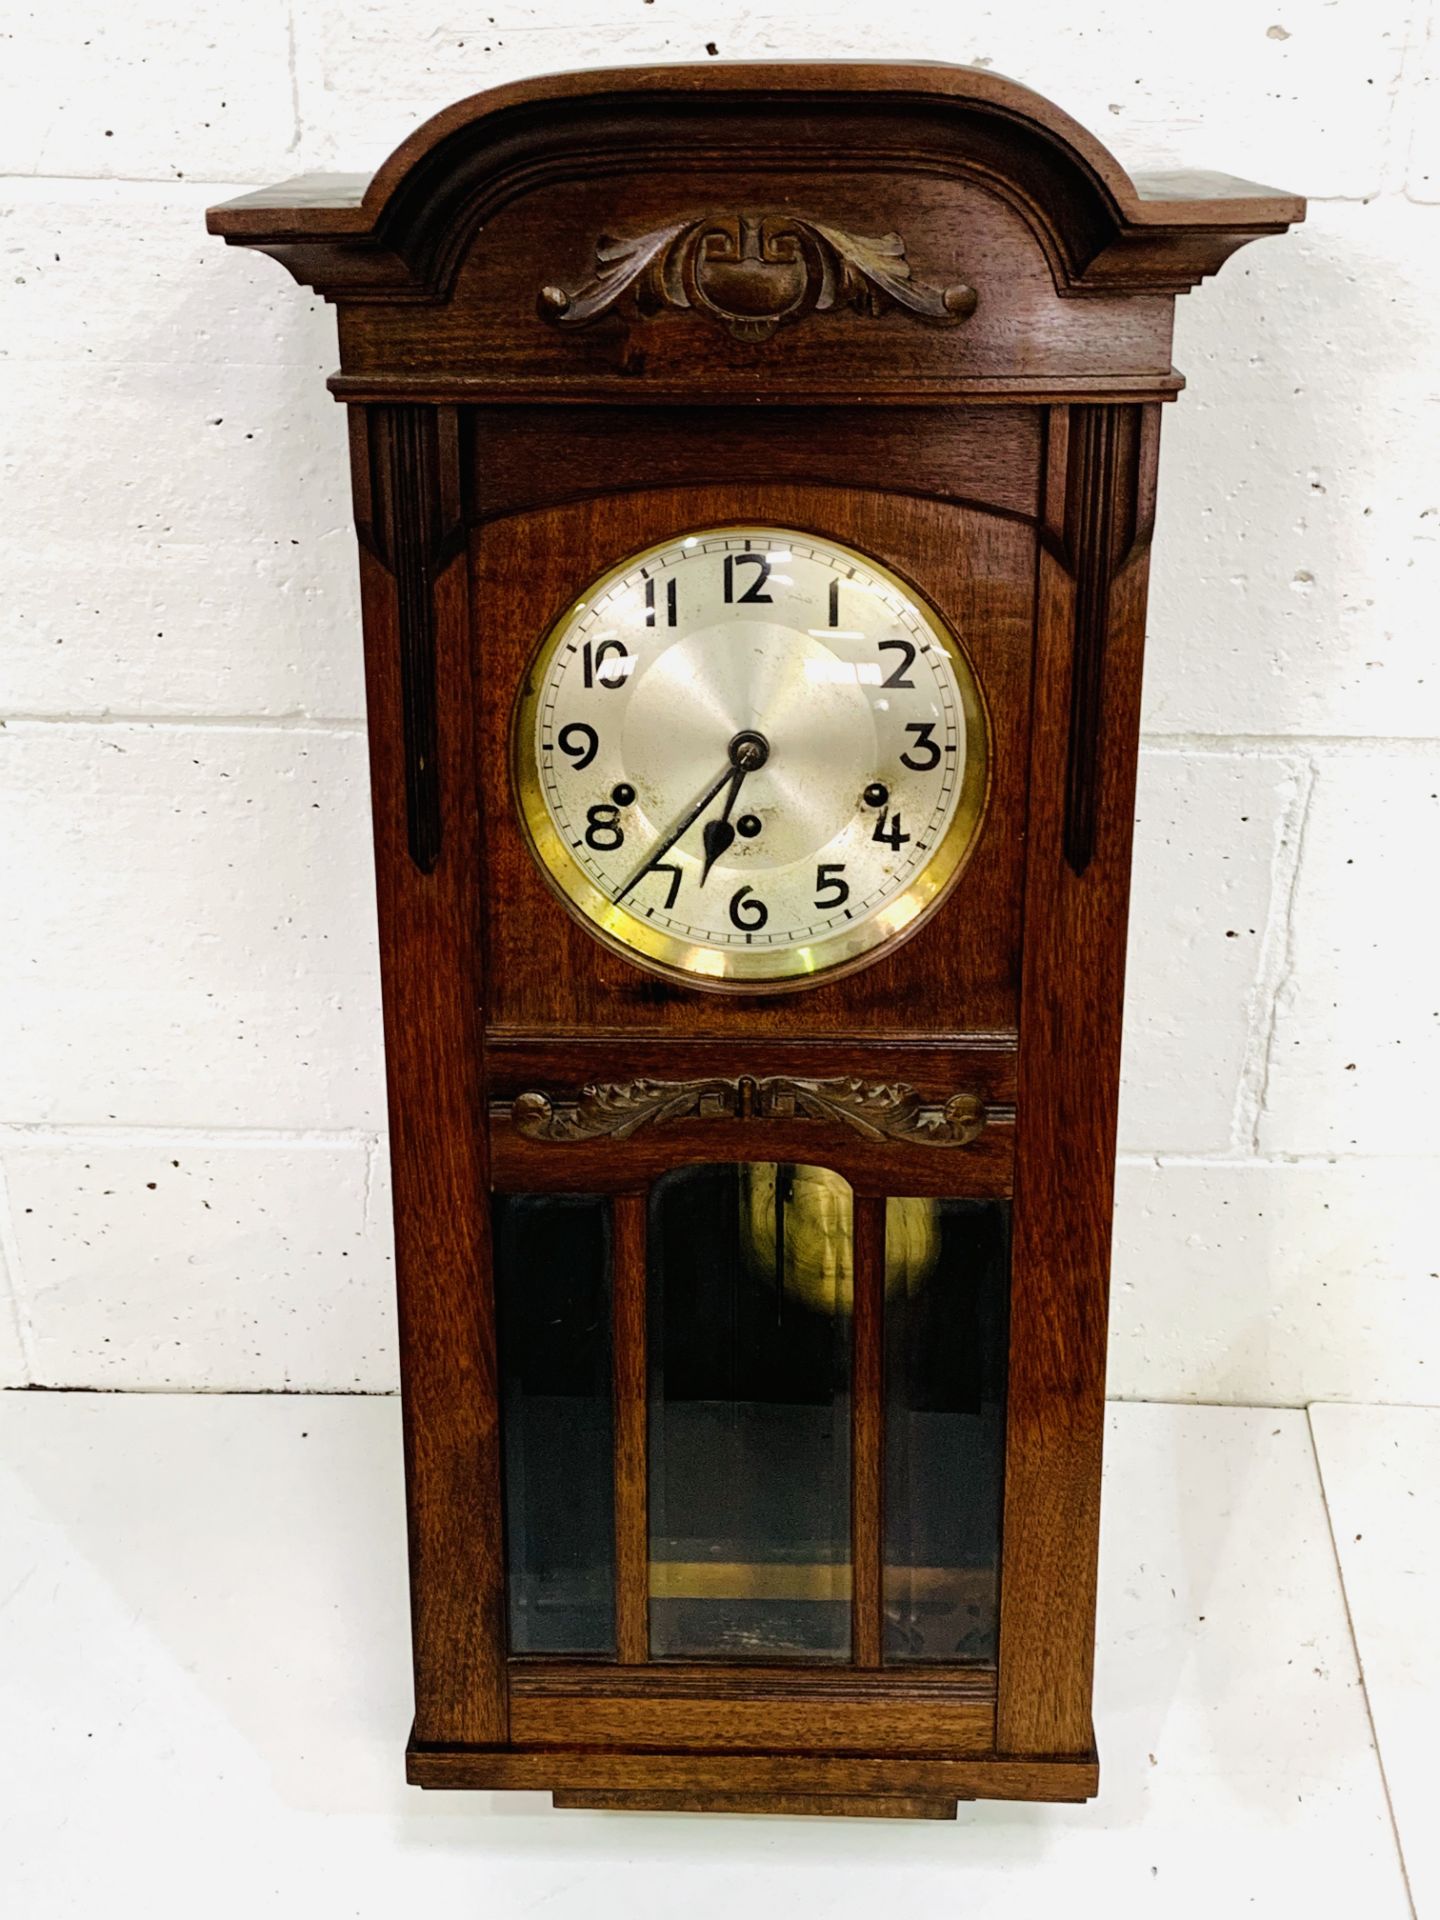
(753, 272)
(882, 1110)
(615, 1111)
(879, 1110)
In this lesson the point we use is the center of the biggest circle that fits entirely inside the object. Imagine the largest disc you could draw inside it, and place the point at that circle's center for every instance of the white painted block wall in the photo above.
(192, 1171)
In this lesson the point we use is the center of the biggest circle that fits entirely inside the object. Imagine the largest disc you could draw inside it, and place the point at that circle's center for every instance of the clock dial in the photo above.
(750, 755)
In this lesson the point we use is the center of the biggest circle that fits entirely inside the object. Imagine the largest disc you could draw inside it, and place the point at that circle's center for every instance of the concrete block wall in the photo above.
(192, 1167)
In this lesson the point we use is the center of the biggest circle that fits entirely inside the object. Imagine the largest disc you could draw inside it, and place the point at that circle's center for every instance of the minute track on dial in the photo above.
(758, 874)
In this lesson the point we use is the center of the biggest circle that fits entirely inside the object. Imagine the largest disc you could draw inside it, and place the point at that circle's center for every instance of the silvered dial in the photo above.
(751, 754)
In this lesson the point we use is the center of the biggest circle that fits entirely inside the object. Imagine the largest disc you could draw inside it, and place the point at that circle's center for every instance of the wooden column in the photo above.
(419, 695)
(1097, 510)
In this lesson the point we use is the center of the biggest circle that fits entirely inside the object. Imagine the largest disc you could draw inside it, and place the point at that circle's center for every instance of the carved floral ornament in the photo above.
(753, 272)
(876, 1109)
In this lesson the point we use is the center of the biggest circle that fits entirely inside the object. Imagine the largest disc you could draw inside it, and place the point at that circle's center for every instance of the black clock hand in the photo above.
(680, 828)
(747, 751)
(719, 834)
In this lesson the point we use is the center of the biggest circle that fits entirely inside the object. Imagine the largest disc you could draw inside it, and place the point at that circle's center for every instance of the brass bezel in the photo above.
(747, 970)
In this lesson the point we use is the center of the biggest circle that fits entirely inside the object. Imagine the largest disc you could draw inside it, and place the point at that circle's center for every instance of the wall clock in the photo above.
(754, 470)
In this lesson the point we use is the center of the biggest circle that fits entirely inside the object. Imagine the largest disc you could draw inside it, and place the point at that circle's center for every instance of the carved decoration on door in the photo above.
(879, 1110)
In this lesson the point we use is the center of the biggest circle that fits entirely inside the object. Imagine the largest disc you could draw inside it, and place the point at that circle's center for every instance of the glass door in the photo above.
(749, 1430)
(947, 1267)
(753, 1418)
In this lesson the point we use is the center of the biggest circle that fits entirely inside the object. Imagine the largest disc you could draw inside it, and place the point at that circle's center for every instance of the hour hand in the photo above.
(747, 752)
(719, 834)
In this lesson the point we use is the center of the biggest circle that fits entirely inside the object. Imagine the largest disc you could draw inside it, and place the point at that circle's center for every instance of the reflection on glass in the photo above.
(749, 1346)
(552, 1264)
(947, 1268)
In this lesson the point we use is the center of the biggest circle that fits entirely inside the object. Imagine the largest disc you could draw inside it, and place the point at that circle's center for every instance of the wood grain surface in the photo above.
(969, 1778)
(872, 1806)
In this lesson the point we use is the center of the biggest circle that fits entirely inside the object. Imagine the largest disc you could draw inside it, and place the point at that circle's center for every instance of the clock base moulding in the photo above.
(760, 1783)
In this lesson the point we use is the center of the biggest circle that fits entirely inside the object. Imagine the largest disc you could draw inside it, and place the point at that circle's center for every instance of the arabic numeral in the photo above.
(579, 743)
(754, 592)
(898, 676)
(746, 912)
(925, 746)
(891, 835)
(672, 614)
(603, 831)
(828, 881)
(606, 665)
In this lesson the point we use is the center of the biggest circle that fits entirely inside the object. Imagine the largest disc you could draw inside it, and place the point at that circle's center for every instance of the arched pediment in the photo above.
(405, 230)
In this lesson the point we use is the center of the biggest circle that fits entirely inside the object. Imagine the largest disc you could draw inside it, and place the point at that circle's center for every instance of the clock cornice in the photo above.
(401, 233)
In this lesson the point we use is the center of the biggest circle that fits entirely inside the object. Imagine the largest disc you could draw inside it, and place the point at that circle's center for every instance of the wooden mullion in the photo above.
(867, 1433)
(632, 1523)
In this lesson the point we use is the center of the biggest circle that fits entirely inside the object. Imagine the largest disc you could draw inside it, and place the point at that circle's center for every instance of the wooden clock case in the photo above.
(917, 309)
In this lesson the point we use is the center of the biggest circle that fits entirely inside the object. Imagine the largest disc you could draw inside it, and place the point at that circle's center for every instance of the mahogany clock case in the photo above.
(919, 312)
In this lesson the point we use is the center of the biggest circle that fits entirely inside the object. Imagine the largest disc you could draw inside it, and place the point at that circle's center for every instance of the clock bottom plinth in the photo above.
(904, 1786)
(855, 1806)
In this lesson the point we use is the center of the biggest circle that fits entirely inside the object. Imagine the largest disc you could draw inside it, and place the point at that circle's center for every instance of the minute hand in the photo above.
(681, 827)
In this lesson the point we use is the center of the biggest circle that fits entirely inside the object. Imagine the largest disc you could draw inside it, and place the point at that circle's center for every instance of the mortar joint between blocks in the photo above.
(1276, 966)
(15, 1282)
